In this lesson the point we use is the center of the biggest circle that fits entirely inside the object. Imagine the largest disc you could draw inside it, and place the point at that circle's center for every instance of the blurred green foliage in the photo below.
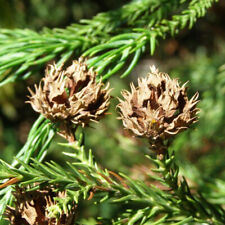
(50, 13)
(205, 144)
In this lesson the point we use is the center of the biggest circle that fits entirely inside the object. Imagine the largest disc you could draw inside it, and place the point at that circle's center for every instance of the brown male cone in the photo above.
(158, 107)
(70, 96)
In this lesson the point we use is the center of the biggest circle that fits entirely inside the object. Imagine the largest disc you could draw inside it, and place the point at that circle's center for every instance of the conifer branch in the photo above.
(113, 55)
(38, 141)
(22, 49)
(84, 179)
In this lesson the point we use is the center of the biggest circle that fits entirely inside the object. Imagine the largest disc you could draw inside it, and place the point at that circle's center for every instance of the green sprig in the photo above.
(175, 205)
(116, 52)
(38, 141)
(22, 49)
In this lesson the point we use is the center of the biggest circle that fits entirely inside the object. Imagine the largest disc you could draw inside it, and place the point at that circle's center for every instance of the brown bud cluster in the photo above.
(158, 107)
(70, 95)
(34, 208)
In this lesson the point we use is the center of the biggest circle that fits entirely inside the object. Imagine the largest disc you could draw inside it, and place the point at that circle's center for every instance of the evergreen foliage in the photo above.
(113, 42)
(38, 141)
(85, 179)
(24, 49)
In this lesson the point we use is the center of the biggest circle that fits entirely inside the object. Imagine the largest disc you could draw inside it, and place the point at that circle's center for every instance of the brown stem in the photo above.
(71, 135)
(159, 147)
(67, 131)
